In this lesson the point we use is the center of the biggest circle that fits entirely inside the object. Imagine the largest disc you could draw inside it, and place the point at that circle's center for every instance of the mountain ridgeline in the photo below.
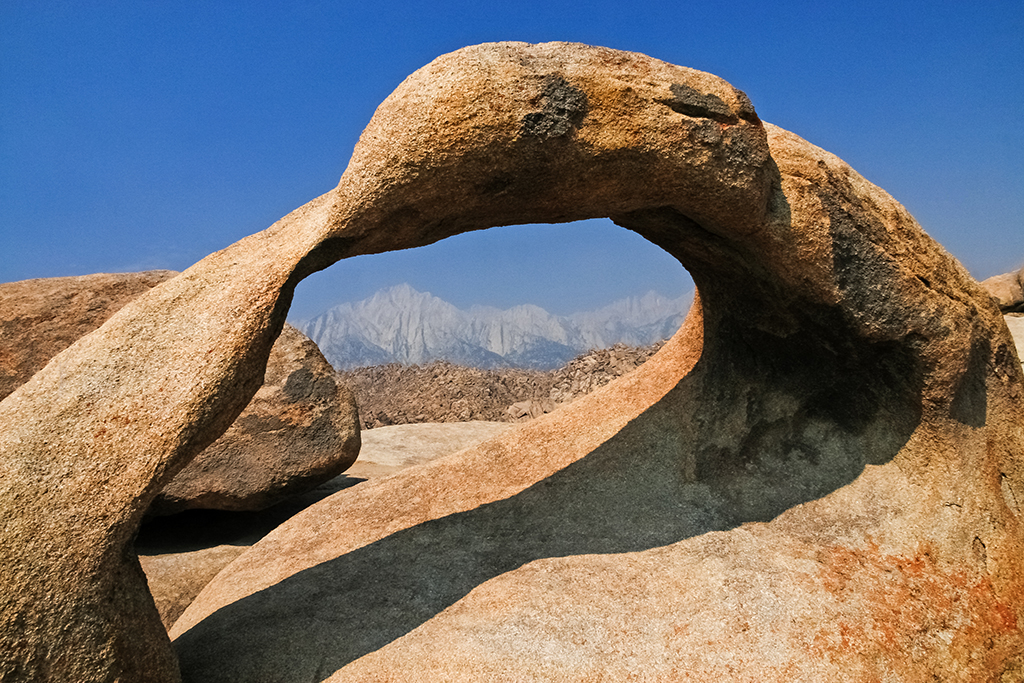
(402, 325)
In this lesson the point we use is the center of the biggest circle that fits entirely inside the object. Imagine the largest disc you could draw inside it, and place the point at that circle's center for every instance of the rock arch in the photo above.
(835, 345)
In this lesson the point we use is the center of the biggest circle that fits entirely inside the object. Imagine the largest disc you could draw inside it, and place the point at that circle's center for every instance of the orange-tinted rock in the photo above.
(175, 579)
(818, 478)
(803, 485)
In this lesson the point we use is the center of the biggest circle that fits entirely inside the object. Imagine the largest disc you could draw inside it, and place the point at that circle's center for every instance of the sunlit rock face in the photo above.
(1007, 290)
(40, 318)
(816, 479)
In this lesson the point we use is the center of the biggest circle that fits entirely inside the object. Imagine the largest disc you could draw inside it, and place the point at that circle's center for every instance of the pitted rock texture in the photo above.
(818, 477)
(1008, 290)
(297, 432)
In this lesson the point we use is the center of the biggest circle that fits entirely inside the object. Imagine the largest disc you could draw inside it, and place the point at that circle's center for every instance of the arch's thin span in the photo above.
(831, 328)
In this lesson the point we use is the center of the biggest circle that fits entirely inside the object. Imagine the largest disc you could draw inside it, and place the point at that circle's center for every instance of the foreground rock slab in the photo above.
(387, 450)
(818, 478)
(182, 553)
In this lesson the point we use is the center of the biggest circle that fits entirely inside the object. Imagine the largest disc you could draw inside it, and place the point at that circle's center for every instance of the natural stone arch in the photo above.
(805, 271)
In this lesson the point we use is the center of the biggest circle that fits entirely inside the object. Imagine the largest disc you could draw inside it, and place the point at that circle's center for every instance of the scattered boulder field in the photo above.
(441, 391)
(819, 477)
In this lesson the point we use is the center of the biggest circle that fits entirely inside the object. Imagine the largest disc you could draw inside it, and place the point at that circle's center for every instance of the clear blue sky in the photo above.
(139, 135)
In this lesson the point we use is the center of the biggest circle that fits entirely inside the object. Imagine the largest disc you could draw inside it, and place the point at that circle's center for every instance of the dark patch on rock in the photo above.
(497, 185)
(819, 386)
(866, 275)
(299, 384)
(563, 108)
(303, 384)
(691, 102)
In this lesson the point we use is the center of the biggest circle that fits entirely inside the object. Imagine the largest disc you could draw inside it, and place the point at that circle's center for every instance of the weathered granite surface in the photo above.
(40, 318)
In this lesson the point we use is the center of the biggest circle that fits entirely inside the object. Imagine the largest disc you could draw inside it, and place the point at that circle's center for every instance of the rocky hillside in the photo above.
(402, 325)
(444, 392)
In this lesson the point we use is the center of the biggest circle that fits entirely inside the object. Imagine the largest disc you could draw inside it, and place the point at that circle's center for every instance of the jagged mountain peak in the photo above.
(403, 325)
(402, 296)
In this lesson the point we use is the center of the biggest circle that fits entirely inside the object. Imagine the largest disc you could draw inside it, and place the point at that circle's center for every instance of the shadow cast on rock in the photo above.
(644, 488)
(193, 530)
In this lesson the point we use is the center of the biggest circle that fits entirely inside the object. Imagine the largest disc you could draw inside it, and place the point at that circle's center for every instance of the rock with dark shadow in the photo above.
(300, 429)
(816, 479)
(1008, 290)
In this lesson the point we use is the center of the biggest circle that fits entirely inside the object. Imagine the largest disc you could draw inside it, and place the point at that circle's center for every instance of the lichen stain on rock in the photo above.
(563, 108)
(691, 102)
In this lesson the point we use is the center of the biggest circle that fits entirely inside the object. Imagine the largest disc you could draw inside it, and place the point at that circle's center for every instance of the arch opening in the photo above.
(519, 297)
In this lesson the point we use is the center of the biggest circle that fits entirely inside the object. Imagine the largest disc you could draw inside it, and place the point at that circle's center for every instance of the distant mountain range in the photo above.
(402, 325)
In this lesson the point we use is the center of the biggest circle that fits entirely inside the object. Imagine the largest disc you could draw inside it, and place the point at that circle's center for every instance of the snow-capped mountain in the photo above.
(402, 325)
